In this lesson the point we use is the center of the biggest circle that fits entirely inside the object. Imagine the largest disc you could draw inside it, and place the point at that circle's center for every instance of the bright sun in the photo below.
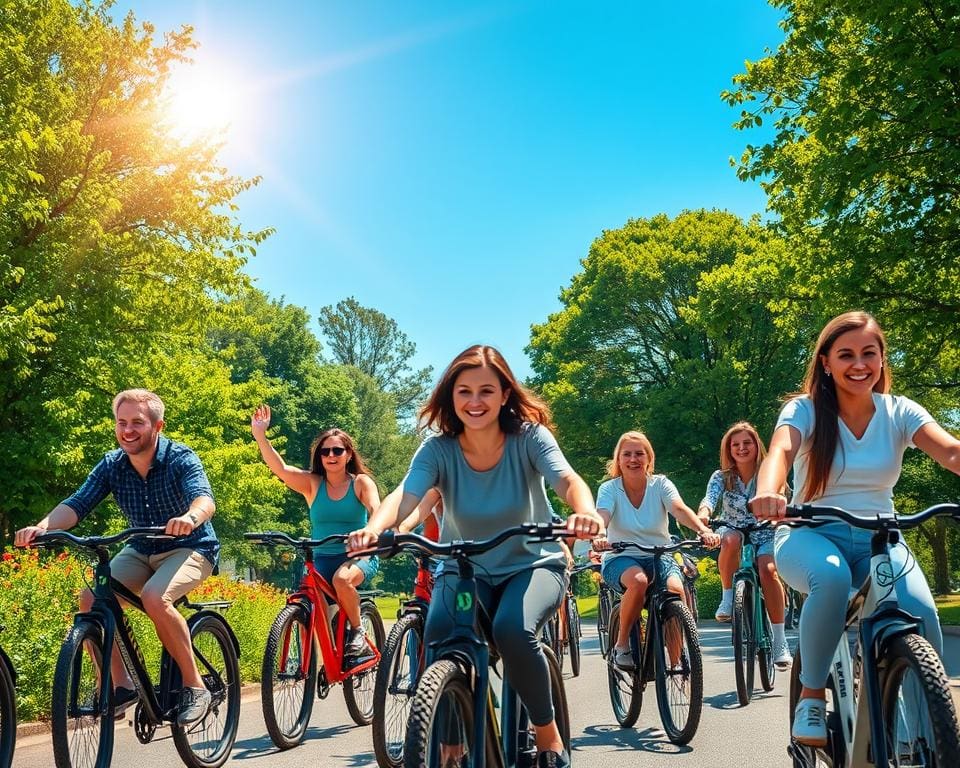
(204, 100)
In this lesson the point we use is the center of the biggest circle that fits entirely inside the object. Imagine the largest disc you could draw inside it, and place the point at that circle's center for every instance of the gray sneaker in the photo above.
(194, 703)
(357, 644)
(623, 659)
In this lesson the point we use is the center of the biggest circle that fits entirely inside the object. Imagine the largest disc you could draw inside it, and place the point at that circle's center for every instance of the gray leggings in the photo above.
(520, 605)
(825, 563)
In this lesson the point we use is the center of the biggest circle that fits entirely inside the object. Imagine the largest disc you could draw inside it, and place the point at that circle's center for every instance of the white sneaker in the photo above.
(810, 723)
(781, 655)
(725, 610)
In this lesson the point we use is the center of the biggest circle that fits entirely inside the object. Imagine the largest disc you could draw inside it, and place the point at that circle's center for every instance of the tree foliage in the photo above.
(370, 341)
(664, 330)
(864, 165)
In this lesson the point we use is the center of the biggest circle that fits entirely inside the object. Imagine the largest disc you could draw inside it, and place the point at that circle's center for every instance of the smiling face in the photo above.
(855, 362)
(633, 458)
(478, 397)
(331, 462)
(743, 448)
(136, 433)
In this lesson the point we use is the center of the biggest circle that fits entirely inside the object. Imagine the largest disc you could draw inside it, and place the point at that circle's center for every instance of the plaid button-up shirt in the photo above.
(175, 479)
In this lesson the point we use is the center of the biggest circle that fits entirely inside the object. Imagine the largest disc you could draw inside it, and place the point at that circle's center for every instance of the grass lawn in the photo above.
(949, 608)
(388, 605)
(587, 607)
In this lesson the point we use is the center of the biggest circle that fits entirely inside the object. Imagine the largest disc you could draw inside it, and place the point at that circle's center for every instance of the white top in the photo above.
(647, 524)
(865, 470)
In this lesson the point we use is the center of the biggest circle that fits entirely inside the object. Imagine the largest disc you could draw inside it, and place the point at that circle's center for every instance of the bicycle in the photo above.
(454, 708)
(401, 665)
(665, 650)
(562, 632)
(290, 676)
(8, 709)
(751, 631)
(874, 705)
(690, 572)
(82, 716)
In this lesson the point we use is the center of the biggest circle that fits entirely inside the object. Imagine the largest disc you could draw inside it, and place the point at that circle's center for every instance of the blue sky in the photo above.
(450, 163)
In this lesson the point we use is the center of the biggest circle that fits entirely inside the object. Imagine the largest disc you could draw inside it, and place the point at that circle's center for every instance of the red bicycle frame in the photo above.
(315, 593)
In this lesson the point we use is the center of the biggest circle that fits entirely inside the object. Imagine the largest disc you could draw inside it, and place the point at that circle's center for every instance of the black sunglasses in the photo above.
(336, 451)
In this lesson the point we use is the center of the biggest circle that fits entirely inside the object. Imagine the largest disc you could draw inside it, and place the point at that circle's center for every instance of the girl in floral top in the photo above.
(729, 488)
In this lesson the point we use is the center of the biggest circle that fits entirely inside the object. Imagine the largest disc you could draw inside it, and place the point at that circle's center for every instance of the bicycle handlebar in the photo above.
(749, 528)
(273, 538)
(50, 538)
(390, 543)
(812, 514)
(619, 546)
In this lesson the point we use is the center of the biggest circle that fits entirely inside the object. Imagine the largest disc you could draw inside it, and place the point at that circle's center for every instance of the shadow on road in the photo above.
(613, 737)
(246, 749)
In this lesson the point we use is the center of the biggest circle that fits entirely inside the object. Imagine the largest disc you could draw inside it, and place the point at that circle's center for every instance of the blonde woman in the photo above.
(634, 505)
(729, 488)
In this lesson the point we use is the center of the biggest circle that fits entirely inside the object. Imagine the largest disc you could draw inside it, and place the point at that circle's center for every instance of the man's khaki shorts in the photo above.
(171, 574)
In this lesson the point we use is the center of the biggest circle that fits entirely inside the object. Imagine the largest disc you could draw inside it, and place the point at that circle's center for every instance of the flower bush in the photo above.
(38, 599)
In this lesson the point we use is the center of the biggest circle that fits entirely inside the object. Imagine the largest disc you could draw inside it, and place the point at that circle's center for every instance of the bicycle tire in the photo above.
(358, 688)
(393, 689)
(8, 714)
(626, 691)
(940, 738)
(744, 643)
(286, 695)
(679, 687)
(765, 662)
(443, 693)
(603, 621)
(573, 634)
(690, 598)
(207, 742)
(803, 756)
(76, 724)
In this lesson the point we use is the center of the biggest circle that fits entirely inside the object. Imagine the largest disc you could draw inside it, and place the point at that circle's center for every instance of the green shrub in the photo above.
(38, 599)
(708, 588)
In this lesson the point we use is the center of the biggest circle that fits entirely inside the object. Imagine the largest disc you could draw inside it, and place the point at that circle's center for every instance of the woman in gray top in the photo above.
(489, 461)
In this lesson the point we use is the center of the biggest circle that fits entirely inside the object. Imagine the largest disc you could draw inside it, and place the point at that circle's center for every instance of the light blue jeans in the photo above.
(825, 562)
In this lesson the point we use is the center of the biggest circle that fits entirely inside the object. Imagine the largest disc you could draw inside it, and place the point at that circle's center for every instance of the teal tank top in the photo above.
(328, 517)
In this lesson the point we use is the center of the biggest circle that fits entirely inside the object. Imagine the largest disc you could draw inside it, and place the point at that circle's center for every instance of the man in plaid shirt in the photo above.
(155, 481)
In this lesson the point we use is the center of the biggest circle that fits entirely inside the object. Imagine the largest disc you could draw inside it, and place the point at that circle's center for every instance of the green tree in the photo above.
(662, 331)
(369, 340)
(863, 167)
(118, 241)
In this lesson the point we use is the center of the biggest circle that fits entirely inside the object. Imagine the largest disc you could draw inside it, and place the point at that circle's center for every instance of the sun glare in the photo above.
(205, 101)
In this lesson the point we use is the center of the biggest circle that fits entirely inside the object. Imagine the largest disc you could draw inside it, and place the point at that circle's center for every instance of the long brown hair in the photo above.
(355, 466)
(728, 466)
(522, 405)
(822, 391)
(613, 466)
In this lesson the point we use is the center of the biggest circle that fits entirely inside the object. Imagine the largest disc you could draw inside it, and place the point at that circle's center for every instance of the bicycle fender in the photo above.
(201, 614)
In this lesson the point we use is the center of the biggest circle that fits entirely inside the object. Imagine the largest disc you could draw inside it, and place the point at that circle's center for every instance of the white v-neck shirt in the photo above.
(864, 470)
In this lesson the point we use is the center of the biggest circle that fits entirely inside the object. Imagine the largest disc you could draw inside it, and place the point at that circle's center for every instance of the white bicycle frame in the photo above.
(879, 620)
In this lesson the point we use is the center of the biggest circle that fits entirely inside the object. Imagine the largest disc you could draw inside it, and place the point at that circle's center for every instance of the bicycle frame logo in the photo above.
(464, 601)
(884, 572)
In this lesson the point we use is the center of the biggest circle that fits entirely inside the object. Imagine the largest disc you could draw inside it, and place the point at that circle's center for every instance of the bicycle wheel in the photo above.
(287, 686)
(440, 730)
(207, 742)
(603, 621)
(679, 673)
(82, 729)
(919, 718)
(768, 670)
(744, 643)
(8, 714)
(626, 692)
(803, 756)
(393, 689)
(573, 634)
(358, 688)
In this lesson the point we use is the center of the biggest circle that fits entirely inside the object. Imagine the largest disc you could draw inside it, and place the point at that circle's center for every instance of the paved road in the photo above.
(729, 736)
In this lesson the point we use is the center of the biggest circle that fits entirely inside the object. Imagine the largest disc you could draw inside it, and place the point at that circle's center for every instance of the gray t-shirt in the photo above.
(864, 470)
(478, 505)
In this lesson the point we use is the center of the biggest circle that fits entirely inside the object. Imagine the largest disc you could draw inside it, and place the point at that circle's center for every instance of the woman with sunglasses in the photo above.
(340, 495)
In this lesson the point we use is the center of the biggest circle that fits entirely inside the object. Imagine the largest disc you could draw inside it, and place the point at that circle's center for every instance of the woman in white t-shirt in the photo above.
(845, 437)
(634, 505)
